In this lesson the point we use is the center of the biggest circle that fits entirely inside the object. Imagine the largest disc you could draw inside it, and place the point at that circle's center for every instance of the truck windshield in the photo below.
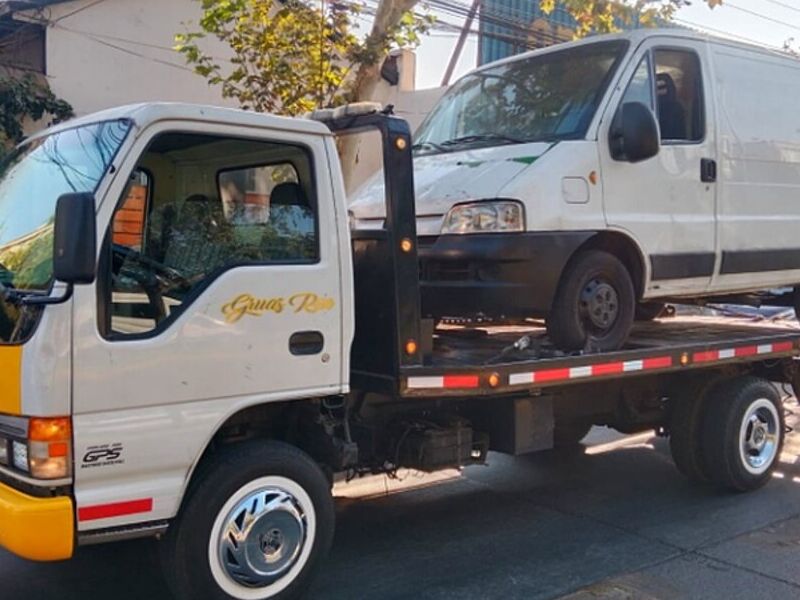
(549, 97)
(31, 180)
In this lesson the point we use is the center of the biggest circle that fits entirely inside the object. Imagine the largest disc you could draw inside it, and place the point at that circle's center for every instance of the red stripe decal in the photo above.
(706, 356)
(118, 509)
(782, 347)
(746, 351)
(660, 362)
(551, 375)
(461, 381)
(608, 368)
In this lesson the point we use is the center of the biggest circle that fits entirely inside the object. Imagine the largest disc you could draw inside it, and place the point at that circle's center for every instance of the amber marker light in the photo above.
(593, 177)
(49, 430)
(49, 445)
(684, 359)
(411, 347)
(400, 143)
(406, 245)
(494, 380)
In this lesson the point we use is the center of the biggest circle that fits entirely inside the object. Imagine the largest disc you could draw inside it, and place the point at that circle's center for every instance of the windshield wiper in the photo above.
(429, 146)
(483, 137)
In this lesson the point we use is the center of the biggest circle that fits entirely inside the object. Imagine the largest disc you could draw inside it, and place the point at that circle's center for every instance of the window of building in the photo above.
(199, 205)
(679, 93)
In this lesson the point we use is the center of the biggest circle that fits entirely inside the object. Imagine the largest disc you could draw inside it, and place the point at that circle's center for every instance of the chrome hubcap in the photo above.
(599, 304)
(759, 436)
(262, 537)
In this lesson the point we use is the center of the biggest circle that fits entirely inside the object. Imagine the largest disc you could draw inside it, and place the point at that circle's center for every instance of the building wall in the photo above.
(120, 51)
(115, 52)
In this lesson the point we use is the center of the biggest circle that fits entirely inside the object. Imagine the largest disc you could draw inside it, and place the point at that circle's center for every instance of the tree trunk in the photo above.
(368, 76)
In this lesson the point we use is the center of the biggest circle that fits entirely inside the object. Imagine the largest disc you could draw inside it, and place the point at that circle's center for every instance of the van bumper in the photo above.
(36, 528)
(497, 275)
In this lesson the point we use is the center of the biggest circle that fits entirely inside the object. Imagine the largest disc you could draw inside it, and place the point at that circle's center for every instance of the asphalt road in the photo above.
(617, 522)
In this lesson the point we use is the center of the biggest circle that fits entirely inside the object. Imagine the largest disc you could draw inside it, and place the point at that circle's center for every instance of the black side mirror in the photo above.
(75, 239)
(74, 246)
(634, 133)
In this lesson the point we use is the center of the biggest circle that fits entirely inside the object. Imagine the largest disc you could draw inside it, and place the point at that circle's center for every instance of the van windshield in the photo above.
(31, 180)
(549, 97)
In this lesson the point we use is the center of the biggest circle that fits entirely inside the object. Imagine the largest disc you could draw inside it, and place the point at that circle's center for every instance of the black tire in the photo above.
(568, 434)
(186, 550)
(686, 432)
(649, 311)
(726, 455)
(592, 274)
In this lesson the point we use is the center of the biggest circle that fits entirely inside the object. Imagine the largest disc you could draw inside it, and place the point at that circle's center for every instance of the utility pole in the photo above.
(460, 43)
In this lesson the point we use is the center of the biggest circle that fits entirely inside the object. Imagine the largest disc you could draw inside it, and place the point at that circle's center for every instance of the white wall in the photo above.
(120, 51)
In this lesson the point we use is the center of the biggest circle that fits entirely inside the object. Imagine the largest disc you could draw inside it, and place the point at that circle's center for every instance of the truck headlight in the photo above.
(485, 217)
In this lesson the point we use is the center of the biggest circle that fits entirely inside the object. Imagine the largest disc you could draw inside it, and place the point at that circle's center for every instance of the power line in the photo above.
(783, 5)
(761, 16)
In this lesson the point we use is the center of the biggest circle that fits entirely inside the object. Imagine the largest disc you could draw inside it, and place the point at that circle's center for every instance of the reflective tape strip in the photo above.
(443, 382)
(598, 370)
(117, 509)
(582, 372)
(728, 353)
(422, 383)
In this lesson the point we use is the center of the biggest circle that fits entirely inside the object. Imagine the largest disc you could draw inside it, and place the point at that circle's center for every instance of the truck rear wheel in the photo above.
(255, 526)
(743, 433)
(686, 433)
(594, 305)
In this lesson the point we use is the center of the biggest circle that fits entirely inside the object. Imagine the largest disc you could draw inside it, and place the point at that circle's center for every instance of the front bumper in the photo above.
(495, 274)
(40, 529)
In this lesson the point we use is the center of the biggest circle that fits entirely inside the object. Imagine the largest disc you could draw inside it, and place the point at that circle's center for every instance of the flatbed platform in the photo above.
(478, 360)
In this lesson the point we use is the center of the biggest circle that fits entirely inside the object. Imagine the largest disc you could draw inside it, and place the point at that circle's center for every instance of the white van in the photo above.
(576, 181)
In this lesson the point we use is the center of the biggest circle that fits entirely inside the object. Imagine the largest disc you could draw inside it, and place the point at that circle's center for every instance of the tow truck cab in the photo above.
(194, 345)
(218, 271)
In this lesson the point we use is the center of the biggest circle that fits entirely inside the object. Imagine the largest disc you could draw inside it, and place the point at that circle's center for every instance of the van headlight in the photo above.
(485, 217)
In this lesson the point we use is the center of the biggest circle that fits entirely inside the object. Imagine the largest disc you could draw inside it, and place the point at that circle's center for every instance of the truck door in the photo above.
(218, 288)
(667, 203)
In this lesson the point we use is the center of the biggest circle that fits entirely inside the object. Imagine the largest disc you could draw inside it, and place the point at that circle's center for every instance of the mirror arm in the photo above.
(48, 300)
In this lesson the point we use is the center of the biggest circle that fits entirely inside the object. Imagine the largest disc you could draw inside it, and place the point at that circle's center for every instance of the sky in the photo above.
(767, 22)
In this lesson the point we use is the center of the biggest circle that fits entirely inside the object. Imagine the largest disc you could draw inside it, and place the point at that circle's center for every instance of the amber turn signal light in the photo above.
(49, 430)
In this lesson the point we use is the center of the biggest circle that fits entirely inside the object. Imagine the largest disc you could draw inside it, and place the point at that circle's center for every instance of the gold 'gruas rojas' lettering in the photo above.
(310, 303)
(245, 304)
(302, 302)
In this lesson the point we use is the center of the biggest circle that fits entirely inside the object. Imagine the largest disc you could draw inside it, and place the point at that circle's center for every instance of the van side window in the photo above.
(213, 204)
(640, 89)
(679, 92)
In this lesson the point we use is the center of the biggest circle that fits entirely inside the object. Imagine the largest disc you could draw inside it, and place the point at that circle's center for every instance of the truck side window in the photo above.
(640, 88)
(128, 224)
(679, 90)
(211, 204)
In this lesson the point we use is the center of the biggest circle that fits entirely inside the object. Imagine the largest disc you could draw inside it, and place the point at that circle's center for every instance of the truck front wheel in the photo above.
(258, 520)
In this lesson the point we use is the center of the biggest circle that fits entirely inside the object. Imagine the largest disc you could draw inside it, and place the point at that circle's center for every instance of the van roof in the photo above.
(145, 114)
(636, 37)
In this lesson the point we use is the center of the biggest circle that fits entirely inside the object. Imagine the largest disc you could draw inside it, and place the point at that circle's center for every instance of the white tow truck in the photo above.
(194, 345)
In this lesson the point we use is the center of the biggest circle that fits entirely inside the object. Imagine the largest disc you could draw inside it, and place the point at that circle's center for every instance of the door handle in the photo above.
(305, 343)
(708, 170)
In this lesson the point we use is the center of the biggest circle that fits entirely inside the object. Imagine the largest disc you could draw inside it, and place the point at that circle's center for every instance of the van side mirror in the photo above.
(634, 133)
(75, 239)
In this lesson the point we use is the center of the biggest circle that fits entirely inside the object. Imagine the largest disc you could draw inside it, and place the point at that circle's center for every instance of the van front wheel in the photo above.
(595, 304)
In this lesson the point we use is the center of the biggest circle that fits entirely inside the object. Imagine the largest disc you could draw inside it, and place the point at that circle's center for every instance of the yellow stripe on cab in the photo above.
(11, 380)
